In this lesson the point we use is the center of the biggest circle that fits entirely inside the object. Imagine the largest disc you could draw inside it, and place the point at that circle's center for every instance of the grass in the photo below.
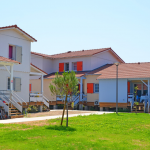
(108, 132)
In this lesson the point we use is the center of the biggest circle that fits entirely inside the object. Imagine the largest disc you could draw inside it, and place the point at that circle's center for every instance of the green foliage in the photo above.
(125, 131)
(65, 84)
(135, 92)
(32, 109)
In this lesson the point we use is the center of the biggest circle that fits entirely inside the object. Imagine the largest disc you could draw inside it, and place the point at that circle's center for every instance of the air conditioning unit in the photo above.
(96, 102)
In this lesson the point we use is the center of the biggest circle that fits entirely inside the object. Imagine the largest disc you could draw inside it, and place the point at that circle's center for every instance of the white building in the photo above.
(15, 44)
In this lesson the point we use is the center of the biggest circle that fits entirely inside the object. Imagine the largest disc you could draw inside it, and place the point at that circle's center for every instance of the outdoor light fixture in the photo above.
(117, 64)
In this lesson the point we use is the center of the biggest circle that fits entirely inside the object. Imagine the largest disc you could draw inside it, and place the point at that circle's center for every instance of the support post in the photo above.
(67, 116)
(81, 89)
(117, 89)
(41, 84)
(11, 84)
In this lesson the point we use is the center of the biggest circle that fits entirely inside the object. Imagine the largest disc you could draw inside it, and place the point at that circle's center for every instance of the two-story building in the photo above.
(15, 54)
(83, 63)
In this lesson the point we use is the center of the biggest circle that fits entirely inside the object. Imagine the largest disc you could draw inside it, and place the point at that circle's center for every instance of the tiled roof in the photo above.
(15, 26)
(125, 70)
(38, 68)
(40, 54)
(52, 75)
(3, 59)
(82, 53)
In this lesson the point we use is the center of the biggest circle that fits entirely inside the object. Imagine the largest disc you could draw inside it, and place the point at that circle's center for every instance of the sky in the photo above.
(71, 25)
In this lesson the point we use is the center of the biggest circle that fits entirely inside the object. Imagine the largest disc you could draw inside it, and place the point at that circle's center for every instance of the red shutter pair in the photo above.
(90, 87)
(79, 66)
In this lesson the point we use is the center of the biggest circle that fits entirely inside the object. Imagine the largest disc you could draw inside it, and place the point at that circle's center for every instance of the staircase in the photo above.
(139, 107)
(46, 104)
(12, 104)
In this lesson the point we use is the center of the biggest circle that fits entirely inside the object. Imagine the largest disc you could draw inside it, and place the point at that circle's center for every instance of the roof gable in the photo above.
(17, 29)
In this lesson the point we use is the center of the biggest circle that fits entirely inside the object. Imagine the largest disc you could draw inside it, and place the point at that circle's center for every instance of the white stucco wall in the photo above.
(107, 90)
(24, 93)
(43, 63)
(14, 38)
(101, 59)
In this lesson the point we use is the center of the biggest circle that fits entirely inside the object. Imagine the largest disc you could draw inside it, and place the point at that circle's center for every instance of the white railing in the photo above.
(15, 103)
(18, 98)
(36, 96)
(46, 101)
(4, 104)
(131, 100)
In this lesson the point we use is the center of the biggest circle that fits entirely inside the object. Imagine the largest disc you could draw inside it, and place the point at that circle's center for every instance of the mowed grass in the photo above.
(108, 131)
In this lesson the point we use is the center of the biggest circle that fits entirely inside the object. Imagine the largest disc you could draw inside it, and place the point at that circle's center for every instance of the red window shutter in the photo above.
(90, 87)
(128, 87)
(61, 67)
(79, 65)
(30, 88)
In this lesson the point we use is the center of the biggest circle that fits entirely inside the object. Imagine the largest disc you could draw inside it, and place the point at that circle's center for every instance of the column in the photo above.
(41, 84)
(81, 89)
(11, 78)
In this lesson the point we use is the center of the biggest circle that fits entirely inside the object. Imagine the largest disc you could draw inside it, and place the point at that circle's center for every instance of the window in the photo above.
(16, 84)
(15, 53)
(96, 88)
(74, 66)
(66, 66)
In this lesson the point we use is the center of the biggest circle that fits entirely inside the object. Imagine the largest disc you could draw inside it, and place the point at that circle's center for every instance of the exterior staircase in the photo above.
(139, 107)
(12, 104)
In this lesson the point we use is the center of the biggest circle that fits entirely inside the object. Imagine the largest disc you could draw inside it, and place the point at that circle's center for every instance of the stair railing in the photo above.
(4, 104)
(18, 97)
(15, 103)
(46, 101)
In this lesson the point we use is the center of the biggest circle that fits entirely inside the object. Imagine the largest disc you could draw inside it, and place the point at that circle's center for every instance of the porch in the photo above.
(142, 96)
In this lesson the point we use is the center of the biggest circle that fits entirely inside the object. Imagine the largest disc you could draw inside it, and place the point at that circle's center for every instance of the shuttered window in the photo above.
(19, 54)
(61, 67)
(90, 87)
(79, 66)
(17, 84)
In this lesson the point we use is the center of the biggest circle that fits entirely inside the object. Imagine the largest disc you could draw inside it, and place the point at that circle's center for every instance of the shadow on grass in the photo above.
(60, 128)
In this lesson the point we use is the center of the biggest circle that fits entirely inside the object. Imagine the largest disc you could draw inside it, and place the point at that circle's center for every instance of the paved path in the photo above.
(16, 120)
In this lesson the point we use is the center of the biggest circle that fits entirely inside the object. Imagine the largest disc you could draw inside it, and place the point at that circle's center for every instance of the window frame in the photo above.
(65, 66)
(95, 88)
(73, 66)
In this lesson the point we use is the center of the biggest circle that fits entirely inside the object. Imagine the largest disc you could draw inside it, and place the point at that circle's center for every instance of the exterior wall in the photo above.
(19, 41)
(107, 90)
(36, 86)
(13, 37)
(24, 93)
(86, 63)
(102, 59)
(43, 63)
(90, 79)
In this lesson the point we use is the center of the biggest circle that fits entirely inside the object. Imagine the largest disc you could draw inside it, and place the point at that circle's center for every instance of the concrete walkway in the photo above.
(16, 120)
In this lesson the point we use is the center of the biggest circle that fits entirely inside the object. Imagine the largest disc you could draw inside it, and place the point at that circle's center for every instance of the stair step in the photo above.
(15, 113)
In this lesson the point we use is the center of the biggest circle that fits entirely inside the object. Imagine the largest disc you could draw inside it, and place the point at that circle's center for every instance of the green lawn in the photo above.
(108, 131)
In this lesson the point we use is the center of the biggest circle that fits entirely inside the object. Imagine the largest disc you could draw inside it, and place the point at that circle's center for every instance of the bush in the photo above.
(32, 109)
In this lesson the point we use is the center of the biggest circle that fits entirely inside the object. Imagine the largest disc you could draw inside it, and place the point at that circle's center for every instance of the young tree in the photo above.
(64, 85)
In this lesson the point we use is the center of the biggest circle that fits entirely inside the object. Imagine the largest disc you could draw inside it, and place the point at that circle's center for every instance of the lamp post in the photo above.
(117, 64)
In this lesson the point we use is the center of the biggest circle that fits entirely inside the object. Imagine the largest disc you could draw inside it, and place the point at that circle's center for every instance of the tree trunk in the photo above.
(64, 110)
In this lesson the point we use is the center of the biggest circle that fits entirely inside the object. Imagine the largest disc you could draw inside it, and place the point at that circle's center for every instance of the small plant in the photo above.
(32, 109)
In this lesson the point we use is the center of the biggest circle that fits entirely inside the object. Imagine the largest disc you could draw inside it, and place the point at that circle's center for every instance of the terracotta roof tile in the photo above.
(15, 26)
(81, 53)
(125, 70)
(3, 59)
(38, 68)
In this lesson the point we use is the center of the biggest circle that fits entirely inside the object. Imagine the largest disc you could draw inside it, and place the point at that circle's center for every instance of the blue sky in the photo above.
(71, 25)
